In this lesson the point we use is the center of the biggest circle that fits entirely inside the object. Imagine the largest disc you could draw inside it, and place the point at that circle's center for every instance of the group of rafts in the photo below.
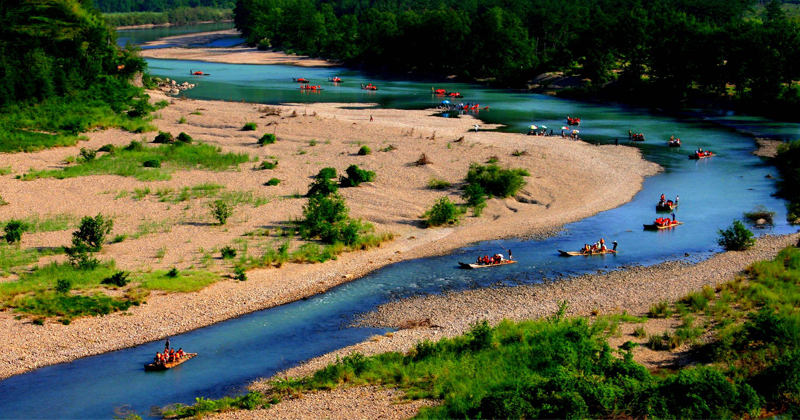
(306, 86)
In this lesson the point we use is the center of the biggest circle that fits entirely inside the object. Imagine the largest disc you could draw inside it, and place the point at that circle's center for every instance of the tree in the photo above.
(443, 212)
(92, 232)
(736, 238)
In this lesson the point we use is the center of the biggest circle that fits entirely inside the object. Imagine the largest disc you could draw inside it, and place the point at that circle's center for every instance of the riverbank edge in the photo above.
(160, 25)
(720, 268)
(350, 266)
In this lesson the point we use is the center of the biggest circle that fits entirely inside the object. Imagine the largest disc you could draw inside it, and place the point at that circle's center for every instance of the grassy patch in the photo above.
(129, 161)
(185, 281)
(12, 257)
(48, 222)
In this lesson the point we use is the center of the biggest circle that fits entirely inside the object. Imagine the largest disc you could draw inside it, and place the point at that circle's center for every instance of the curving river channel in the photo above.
(713, 193)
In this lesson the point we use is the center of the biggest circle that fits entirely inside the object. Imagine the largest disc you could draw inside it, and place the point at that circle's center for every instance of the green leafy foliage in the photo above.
(322, 186)
(164, 138)
(788, 162)
(327, 173)
(13, 230)
(356, 176)
(364, 150)
(272, 182)
(119, 279)
(185, 138)
(227, 252)
(268, 138)
(92, 232)
(736, 238)
(496, 181)
(443, 212)
(251, 126)
(475, 197)
(221, 211)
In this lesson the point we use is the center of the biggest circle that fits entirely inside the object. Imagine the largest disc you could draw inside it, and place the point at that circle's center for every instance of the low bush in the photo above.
(475, 197)
(164, 138)
(63, 286)
(185, 138)
(438, 184)
(13, 230)
(356, 176)
(108, 148)
(173, 273)
(221, 211)
(239, 273)
(228, 252)
(251, 126)
(93, 232)
(322, 186)
(660, 310)
(272, 182)
(119, 279)
(443, 212)
(364, 150)
(327, 173)
(266, 164)
(267, 139)
(496, 181)
(87, 155)
(152, 163)
(736, 238)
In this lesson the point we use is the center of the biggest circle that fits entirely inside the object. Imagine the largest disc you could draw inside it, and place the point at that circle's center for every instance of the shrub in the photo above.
(356, 176)
(322, 186)
(272, 182)
(92, 232)
(163, 137)
(14, 229)
(87, 155)
(79, 256)
(173, 273)
(322, 215)
(268, 165)
(152, 163)
(327, 173)
(228, 252)
(364, 150)
(443, 212)
(134, 146)
(251, 126)
(63, 286)
(660, 310)
(221, 211)
(438, 184)
(185, 138)
(239, 273)
(475, 197)
(736, 238)
(119, 279)
(182, 120)
(108, 148)
(496, 181)
(267, 139)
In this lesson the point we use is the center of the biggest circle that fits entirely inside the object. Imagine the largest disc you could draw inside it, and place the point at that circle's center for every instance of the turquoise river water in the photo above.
(713, 193)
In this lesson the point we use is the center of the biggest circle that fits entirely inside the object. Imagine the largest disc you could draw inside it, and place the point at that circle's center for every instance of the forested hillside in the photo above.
(125, 6)
(61, 73)
(668, 49)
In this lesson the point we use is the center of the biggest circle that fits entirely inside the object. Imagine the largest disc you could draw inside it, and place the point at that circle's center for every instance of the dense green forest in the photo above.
(126, 6)
(61, 74)
(179, 16)
(670, 49)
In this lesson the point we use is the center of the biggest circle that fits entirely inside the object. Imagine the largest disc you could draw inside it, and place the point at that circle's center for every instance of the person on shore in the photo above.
(476, 128)
(370, 118)
(616, 142)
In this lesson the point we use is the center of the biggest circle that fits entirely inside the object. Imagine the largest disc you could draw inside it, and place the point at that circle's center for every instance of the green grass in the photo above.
(438, 184)
(48, 222)
(129, 162)
(235, 198)
(186, 281)
(13, 258)
(148, 227)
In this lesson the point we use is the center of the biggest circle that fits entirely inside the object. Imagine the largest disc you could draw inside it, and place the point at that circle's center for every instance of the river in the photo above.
(713, 192)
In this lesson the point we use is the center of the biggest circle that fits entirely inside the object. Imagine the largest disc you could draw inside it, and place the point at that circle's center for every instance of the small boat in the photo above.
(667, 206)
(154, 367)
(701, 155)
(199, 73)
(573, 121)
(301, 80)
(674, 143)
(439, 92)
(662, 225)
(638, 137)
(313, 88)
(475, 265)
(369, 87)
(335, 79)
(586, 254)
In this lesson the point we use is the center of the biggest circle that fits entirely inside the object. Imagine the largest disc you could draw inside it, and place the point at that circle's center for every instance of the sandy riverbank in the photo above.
(183, 235)
(180, 50)
(633, 289)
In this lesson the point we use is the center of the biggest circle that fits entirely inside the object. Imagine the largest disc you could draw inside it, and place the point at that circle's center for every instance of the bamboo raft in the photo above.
(586, 254)
(654, 226)
(170, 365)
(474, 265)
(666, 207)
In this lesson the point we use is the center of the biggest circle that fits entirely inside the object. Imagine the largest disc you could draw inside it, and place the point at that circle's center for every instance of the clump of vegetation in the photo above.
(322, 186)
(164, 138)
(14, 230)
(267, 164)
(152, 163)
(518, 153)
(496, 181)
(272, 182)
(87, 155)
(268, 138)
(660, 310)
(493, 159)
(364, 150)
(119, 279)
(327, 173)
(173, 273)
(438, 184)
(475, 197)
(389, 148)
(239, 273)
(788, 162)
(356, 176)
(228, 252)
(108, 148)
(221, 211)
(93, 232)
(251, 126)
(185, 138)
(736, 238)
(443, 212)
(760, 215)
(253, 400)
(423, 160)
